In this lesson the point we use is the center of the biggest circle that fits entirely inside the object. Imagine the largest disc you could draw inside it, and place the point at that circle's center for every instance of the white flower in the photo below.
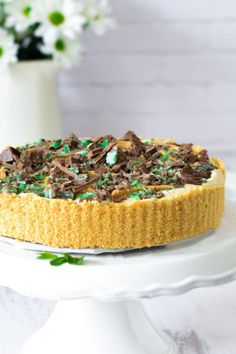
(58, 18)
(97, 14)
(63, 50)
(8, 50)
(19, 14)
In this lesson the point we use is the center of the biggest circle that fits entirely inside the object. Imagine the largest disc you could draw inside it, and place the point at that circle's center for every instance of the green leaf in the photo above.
(56, 260)
(56, 144)
(75, 260)
(59, 261)
(111, 157)
(46, 255)
(106, 175)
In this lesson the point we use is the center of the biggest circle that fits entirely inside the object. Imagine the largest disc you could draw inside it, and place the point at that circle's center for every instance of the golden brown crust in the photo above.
(136, 224)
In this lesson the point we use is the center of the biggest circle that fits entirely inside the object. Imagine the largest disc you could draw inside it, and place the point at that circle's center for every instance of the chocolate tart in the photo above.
(105, 192)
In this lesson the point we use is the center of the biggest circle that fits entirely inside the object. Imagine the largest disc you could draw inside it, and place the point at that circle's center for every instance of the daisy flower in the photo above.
(19, 14)
(58, 18)
(8, 50)
(64, 50)
(97, 14)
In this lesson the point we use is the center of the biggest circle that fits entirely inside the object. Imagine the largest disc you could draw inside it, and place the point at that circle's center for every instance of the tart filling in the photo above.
(105, 168)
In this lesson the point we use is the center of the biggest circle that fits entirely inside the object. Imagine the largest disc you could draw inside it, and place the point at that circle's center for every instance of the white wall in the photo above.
(169, 69)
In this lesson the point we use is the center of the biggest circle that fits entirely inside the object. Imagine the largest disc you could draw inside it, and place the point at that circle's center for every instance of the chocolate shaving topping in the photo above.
(90, 182)
(102, 168)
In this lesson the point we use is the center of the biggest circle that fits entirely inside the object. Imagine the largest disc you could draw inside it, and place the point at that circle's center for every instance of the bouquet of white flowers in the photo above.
(48, 29)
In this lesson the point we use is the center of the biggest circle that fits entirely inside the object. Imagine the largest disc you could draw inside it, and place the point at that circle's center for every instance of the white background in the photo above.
(168, 70)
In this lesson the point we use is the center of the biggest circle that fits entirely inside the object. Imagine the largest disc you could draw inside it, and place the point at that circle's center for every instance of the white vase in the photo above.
(29, 104)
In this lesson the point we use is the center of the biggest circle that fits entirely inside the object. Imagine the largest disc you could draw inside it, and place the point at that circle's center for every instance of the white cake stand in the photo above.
(98, 311)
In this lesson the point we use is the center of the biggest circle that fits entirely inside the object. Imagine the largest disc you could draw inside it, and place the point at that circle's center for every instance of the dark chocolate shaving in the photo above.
(86, 169)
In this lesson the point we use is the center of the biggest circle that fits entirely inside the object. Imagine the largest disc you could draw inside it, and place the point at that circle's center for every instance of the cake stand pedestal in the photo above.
(99, 309)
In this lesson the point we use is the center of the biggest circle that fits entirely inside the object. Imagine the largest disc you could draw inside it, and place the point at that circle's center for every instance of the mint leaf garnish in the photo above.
(57, 260)
(46, 255)
(75, 260)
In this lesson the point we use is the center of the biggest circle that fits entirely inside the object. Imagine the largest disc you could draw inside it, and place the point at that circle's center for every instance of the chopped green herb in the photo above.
(87, 195)
(85, 142)
(111, 157)
(105, 144)
(56, 144)
(106, 175)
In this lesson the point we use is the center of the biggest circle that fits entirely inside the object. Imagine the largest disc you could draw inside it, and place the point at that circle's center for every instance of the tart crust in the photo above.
(130, 224)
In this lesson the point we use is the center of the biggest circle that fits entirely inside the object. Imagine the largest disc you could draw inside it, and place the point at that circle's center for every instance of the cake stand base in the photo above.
(90, 326)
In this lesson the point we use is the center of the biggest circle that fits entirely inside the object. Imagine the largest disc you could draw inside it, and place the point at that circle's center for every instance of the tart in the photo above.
(105, 192)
